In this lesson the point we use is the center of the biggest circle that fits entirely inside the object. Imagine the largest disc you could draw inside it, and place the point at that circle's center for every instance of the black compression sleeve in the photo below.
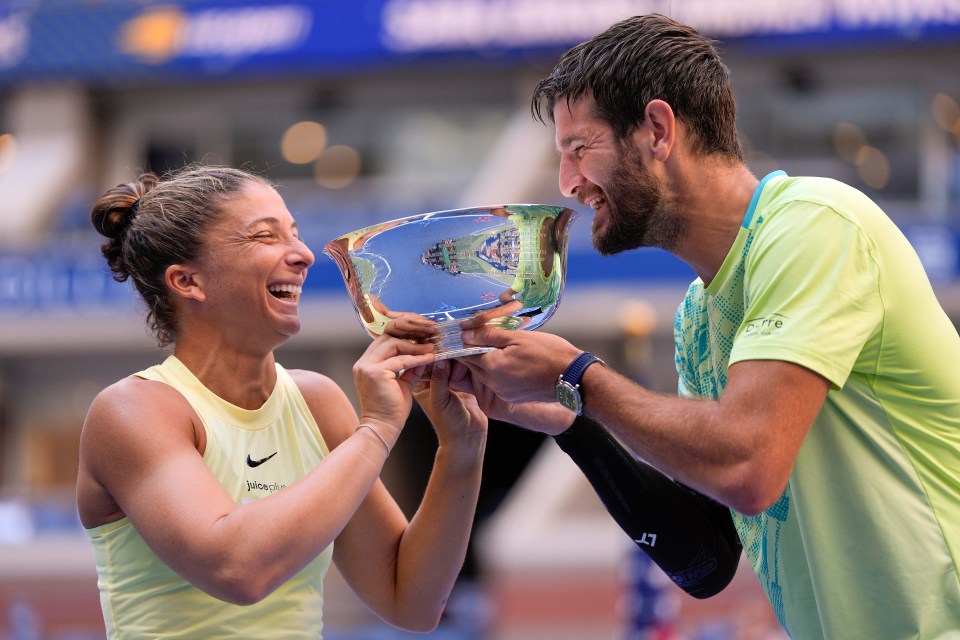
(691, 537)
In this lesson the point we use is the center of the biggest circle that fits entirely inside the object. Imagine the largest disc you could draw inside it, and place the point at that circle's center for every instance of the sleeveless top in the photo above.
(252, 454)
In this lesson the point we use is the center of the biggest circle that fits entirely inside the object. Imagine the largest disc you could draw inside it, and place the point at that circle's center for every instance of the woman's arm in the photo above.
(139, 445)
(405, 571)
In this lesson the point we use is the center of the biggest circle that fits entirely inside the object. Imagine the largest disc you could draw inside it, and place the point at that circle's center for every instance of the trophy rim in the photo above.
(340, 248)
(574, 214)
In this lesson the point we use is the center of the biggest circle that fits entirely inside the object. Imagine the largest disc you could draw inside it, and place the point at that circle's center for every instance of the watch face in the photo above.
(569, 396)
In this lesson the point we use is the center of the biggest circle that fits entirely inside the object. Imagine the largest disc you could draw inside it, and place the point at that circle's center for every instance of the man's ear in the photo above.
(661, 128)
(185, 282)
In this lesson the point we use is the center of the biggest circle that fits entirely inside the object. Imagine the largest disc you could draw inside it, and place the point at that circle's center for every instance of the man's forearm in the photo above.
(691, 537)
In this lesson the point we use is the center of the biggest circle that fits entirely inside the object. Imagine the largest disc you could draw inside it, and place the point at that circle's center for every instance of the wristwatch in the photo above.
(568, 385)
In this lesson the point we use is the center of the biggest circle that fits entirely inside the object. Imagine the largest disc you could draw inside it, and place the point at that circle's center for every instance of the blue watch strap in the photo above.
(575, 371)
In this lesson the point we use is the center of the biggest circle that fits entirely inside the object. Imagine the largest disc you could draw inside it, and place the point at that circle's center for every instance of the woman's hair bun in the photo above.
(112, 215)
(114, 211)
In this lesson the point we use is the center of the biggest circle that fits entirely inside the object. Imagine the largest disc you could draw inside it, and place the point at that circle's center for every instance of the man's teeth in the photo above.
(595, 202)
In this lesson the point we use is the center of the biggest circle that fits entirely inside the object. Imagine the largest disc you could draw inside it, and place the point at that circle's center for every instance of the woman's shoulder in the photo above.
(138, 390)
(128, 424)
(133, 401)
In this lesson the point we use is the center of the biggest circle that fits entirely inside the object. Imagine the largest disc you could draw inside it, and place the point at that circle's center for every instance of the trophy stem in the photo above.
(450, 342)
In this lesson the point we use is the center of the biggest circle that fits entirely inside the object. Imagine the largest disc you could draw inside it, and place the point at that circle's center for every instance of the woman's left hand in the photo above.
(454, 414)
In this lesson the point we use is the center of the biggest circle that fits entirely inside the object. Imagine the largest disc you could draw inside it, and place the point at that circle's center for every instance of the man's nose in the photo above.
(570, 177)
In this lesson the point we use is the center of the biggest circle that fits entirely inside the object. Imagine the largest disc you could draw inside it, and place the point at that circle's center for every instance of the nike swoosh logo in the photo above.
(256, 463)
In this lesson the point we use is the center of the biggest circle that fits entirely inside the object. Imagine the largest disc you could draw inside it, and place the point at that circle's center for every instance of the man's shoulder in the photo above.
(796, 193)
(811, 186)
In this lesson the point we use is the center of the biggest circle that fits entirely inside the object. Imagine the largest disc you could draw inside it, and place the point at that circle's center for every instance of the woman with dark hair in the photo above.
(218, 486)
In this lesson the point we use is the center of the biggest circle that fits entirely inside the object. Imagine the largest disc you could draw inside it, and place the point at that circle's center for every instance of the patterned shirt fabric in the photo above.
(253, 454)
(865, 540)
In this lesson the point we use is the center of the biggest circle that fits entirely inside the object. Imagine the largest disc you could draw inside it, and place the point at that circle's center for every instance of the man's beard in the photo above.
(639, 214)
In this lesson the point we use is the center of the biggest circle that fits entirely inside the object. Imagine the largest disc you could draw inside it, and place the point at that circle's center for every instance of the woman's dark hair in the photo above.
(155, 222)
(646, 58)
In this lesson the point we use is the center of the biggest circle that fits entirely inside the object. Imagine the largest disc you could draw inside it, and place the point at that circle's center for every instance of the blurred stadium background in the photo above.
(367, 110)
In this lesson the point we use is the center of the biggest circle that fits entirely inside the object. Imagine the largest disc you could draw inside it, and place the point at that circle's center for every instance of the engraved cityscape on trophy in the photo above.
(507, 262)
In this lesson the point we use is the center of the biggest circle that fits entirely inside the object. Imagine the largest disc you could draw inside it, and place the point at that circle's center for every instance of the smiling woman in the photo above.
(252, 239)
(283, 475)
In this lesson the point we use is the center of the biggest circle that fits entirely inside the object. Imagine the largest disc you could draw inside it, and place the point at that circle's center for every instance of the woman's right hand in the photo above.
(384, 377)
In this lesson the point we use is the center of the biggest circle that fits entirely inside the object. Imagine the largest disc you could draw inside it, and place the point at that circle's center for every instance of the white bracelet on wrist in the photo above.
(376, 433)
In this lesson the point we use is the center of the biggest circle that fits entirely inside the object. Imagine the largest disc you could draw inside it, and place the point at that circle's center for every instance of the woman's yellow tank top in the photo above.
(252, 454)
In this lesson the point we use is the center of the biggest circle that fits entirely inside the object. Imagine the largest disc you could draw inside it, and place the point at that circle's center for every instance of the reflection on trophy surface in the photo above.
(506, 263)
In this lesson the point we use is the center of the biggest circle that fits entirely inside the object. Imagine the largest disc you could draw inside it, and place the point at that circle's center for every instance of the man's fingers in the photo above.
(487, 337)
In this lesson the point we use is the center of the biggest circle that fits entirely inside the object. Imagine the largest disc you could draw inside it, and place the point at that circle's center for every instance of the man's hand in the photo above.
(550, 418)
(525, 365)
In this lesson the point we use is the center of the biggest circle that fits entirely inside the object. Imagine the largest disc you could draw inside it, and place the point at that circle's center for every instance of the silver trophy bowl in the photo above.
(507, 262)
